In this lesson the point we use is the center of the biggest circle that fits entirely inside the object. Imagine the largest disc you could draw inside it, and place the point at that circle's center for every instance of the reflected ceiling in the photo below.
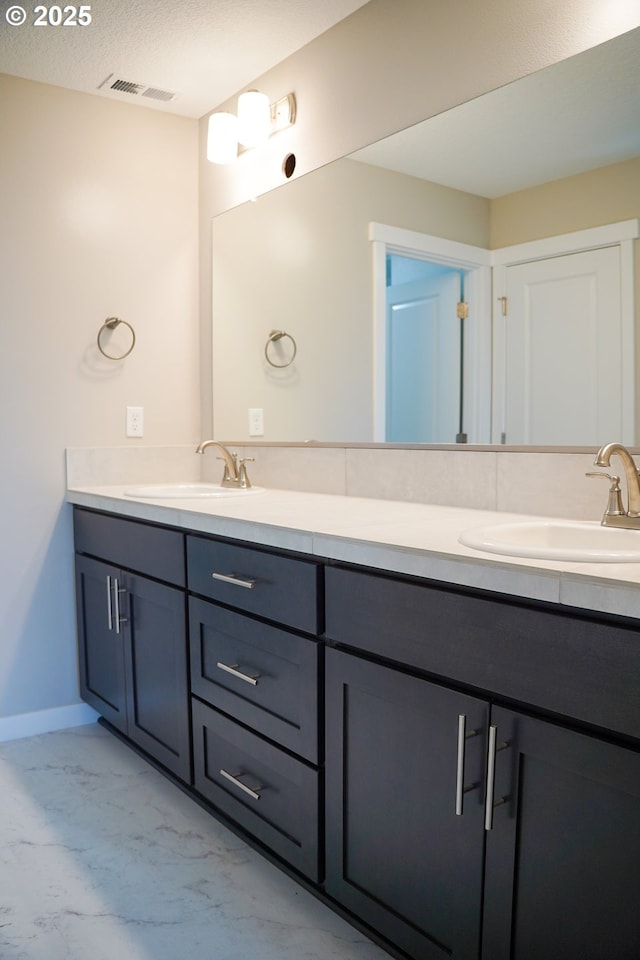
(581, 114)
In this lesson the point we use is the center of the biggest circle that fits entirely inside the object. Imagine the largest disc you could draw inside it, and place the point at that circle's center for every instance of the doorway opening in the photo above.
(432, 366)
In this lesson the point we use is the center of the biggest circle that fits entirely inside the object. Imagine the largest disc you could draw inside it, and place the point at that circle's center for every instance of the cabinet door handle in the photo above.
(491, 803)
(463, 736)
(235, 780)
(237, 581)
(109, 607)
(232, 668)
(116, 604)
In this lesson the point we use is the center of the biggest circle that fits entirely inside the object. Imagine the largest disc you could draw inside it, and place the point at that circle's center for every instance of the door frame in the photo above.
(476, 262)
(621, 234)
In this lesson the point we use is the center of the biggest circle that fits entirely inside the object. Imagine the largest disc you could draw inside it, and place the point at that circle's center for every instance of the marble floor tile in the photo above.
(101, 857)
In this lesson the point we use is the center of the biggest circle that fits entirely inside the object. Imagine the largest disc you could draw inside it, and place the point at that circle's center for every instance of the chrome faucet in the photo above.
(235, 472)
(615, 514)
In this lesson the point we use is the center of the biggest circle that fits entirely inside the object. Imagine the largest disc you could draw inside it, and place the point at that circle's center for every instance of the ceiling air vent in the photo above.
(126, 86)
(136, 89)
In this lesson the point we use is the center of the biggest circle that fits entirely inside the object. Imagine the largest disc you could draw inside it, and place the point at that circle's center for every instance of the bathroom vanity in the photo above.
(443, 744)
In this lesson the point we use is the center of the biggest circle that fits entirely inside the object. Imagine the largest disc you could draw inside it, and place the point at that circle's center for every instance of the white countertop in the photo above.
(411, 538)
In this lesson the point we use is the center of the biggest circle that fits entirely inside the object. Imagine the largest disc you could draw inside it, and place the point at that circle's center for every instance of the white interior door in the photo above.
(423, 360)
(563, 350)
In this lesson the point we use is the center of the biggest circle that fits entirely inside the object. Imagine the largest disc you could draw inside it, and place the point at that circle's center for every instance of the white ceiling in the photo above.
(580, 114)
(204, 51)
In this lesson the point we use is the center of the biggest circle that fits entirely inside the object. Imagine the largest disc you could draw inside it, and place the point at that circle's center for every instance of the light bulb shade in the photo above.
(254, 118)
(222, 138)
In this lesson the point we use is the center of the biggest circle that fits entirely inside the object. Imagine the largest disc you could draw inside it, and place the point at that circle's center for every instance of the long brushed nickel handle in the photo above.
(109, 607)
(491, 803)
(236, 581)
(117, 590)
(463, 736)
(234, 779)
(232, 668)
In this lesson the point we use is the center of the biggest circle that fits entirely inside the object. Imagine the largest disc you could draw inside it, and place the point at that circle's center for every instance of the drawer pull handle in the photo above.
(232, 668)
(463, 736)
(237, 581)
(235, 780)
(491, 803)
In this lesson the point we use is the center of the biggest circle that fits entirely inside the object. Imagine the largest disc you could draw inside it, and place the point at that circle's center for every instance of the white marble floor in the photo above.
(101, 858)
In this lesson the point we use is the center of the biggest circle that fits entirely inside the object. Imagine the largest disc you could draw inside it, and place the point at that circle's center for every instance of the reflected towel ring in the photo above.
(110, 324)
(273, 337)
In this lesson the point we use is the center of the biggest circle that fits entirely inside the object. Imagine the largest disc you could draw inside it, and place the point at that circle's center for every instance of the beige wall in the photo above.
(391, 64)
(99, 218)
(300, 259)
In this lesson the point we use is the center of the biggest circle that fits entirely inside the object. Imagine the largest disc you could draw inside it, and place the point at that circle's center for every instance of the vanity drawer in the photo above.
(154, 551)
(261, 675)
(263, 789)
(283, 589)
(560, 661)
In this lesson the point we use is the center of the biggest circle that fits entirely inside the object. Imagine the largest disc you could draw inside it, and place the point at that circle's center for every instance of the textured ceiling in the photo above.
(202, 50)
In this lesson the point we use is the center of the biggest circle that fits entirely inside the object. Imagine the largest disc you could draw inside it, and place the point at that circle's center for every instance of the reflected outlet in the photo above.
(256, 422)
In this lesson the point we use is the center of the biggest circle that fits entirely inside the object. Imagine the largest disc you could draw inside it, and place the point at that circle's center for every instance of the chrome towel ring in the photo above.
(110, 324)
(273, 337)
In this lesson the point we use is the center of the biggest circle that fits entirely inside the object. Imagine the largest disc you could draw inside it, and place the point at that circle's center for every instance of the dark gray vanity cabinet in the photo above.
(542, 858)
(132, 637)
(254, 617)
(459, 771)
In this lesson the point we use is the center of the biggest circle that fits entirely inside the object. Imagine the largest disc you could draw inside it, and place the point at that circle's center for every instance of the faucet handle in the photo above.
(243, 476)
(614, 506)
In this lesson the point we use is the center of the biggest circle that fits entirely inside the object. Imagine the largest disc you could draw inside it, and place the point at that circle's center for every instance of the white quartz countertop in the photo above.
(411, 538)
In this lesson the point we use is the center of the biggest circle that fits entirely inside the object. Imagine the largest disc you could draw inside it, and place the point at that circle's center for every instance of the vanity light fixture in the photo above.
(254, 118)
(222, 138)
(255, 122)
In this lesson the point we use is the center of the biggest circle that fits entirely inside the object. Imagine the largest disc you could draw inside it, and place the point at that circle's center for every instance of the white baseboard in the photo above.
(45, 721)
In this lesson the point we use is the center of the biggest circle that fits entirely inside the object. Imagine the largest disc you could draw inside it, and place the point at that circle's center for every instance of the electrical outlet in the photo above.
(135, 421)
(256, 422)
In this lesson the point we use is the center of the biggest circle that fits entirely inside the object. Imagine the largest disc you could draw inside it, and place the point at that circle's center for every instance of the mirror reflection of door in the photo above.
(423, 351)
(564, 349)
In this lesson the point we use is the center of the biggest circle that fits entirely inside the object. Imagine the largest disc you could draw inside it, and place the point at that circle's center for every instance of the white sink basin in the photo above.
(186, 491)
(582, 541)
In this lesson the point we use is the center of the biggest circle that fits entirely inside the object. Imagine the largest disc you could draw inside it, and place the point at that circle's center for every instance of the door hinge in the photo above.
(463, 310)
(504, 302)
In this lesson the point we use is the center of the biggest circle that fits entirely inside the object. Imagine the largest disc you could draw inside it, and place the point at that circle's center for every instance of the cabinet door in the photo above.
(398, 856)
(100, 641)
(563, 854)
(156, 669)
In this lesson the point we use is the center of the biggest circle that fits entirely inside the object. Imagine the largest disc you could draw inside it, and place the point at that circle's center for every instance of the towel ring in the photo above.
(110, 324)
(274, 336)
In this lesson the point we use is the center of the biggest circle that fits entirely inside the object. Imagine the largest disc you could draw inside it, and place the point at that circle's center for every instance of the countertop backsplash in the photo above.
(522, 481)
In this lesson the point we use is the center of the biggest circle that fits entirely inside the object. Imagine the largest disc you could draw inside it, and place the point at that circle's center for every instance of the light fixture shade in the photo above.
(254, 118)
(222, 138)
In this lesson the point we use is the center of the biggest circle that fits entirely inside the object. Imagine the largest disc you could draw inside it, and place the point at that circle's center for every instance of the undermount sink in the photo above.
(579, 540)
(186, 491)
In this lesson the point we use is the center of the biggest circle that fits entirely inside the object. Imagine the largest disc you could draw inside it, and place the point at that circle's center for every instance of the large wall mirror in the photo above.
(362, 264)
